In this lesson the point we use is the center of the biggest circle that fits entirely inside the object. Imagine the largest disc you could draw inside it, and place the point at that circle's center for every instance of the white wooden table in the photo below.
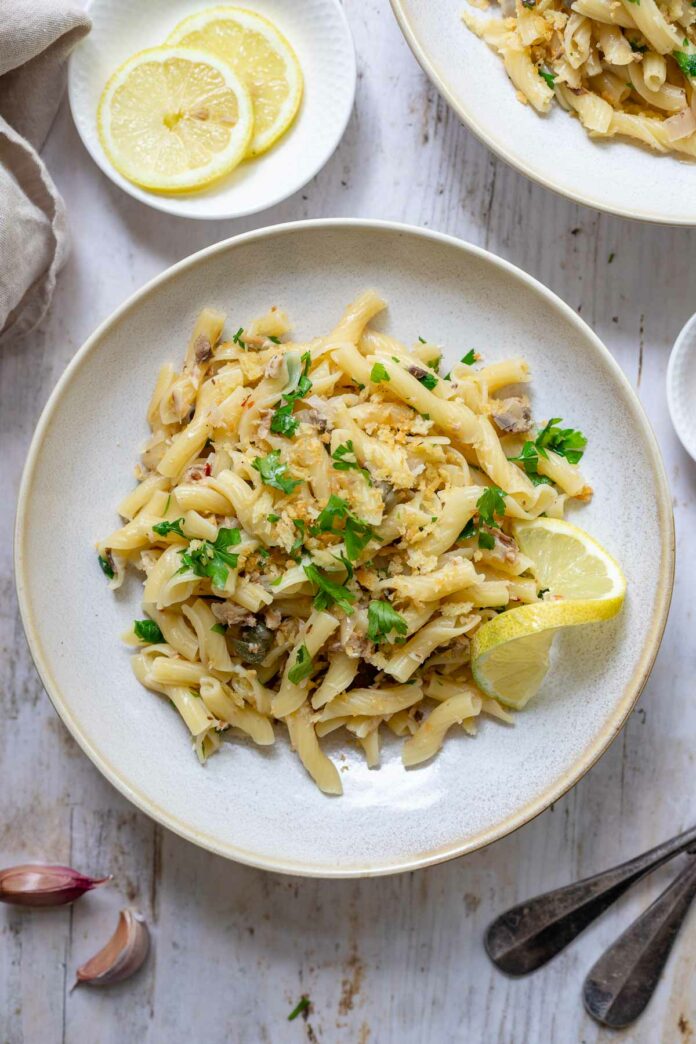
(390, 960)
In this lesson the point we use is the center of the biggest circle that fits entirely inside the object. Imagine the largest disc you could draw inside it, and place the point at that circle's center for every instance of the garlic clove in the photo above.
(123, 954)
(39, 885)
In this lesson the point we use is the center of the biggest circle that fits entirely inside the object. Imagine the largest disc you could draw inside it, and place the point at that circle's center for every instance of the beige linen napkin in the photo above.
(36, 37)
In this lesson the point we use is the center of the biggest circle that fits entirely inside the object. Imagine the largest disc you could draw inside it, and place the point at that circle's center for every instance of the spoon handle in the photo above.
(621, 983)
(528, 935)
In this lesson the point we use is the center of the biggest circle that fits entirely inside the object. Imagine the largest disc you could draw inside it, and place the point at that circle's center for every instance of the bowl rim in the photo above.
(683, 345)
(442, 853)
(429, 67)
(164, 202)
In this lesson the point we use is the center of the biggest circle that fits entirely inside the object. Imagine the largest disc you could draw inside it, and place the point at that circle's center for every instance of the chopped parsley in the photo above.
(303, 666)
(106, 567)
(163, 528)
(381, 620)
(686, 62)
(166, 506)
(428, 380)
(486, 540)
(282, 421)
(542, 592)
(273, 518)
(470, 358)
(471, 529)
(237, 338)
(148, 631)
(378, 374)
(529, 459)
(356, 534)
(272, 472)
(299, 539)
(275, 340)
(341, 464)
(422, 339)
(567, 442)
(218, 628)
(491, 503)
(301, 1006)
(347, 565)
(549, 77)
(329, 593)
(213, 559)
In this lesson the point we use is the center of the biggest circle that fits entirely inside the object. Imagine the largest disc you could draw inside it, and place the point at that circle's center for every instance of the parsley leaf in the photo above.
(301, 1006)
(163, 528)
(227, 538)
(148, 631)
(422, 339)
(381, 619)
(273, 518)
(219, 628)
(549, 77)
(470, 358)
(378, 374)
(329, 592)
(486, 540)
(299, 539)
(356, 534)
(272, 472)
(345, 562)
(282, 421)
(213, 560)
(567, 442)
(106, 567)
(428, 380)
(304, 665)
(237, 338)
(491, 503)
(686, 62)
(529, 459)
(341, 464)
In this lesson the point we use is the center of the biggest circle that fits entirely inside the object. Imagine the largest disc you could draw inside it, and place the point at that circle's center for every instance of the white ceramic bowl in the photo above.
(554, 150)
(260, 807)
(681, 386)
(319, 34)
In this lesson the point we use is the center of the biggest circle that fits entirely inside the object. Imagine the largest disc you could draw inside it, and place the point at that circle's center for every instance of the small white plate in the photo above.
(554, 150)
(318, 32)
(681, 386)
(259, 806)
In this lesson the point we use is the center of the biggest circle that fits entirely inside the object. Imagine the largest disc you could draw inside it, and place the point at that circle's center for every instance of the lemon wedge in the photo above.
(510, 655)
(261, 57)
(174, 119)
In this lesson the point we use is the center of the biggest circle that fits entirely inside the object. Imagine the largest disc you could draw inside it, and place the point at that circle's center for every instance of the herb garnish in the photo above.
(356, 534)
(106, 567)
(299, 539)
(303, 666)
(686, 62)
(381, 619)
(470, 358)
(148, 631)
(549, 77)
(301, 1006)
(272, 472)
(163, 528)
(328, 591)
(237, 338)
(282, 421)
(378, 374)
(213, 559)
(341, 464)
(428, 380)
(273, 518)
(566, 442)
(218, 628)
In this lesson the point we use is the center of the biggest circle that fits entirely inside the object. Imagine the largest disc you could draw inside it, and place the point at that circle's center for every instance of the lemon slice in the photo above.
(510, 655)
(173, 119)
(262, 58)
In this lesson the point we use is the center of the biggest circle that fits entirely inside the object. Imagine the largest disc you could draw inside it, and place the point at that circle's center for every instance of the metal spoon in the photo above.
(527, 936)
(619, 986)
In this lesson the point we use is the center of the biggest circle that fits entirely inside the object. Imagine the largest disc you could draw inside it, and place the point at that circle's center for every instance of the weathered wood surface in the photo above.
(389, 961)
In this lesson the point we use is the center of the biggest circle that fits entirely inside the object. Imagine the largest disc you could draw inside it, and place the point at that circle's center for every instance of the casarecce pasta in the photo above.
(322, 526)
(624, 67)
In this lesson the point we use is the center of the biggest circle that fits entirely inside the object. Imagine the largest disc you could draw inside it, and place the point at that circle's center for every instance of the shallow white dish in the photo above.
(681, 386)
(319, 34)
(554, 150)
(260, 807)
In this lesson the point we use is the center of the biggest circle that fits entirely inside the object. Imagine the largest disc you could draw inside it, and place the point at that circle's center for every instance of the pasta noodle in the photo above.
(321, 527)
(624, 67)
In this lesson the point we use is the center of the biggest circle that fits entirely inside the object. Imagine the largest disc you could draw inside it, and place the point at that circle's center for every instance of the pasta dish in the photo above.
(323, 526)
(624, 67)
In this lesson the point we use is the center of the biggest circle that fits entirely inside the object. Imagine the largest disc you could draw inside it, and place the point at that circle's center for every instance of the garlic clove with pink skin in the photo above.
(121, 956)
(34, 884)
